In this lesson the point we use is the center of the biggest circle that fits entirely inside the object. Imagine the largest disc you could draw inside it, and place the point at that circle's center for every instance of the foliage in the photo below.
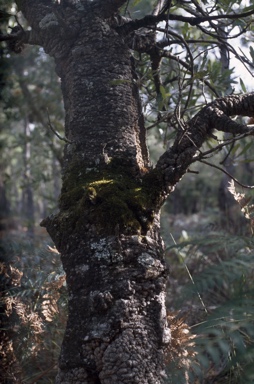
(30, 101)
(36, 303)
(218, 302)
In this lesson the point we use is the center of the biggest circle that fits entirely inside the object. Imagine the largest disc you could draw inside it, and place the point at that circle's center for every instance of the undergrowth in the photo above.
(210, 303)
(214, 293)
(33, 304)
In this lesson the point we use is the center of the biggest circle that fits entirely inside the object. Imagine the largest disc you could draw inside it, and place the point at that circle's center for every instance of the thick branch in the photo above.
(174, 163)
(19, 37)
(109, 7)
(34, 10)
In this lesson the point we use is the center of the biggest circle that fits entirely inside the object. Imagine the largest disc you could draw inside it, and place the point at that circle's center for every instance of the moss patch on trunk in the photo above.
(112, 200)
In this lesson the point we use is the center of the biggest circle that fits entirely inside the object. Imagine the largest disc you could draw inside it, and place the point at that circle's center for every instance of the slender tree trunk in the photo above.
(4, 203)
(56, 180)
(27, 193)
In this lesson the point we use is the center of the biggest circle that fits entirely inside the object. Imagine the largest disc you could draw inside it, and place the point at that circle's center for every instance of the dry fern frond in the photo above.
(180, 352)
(53, 249)
(9, 302)
(12, 273)
(35, 322)
(10, 369)
(56, 284)
(182, 341)
(21, 310)
(244, 202)
(239, 197)
(49, 306)
(27, 317)
(3, 269)
(16, 276)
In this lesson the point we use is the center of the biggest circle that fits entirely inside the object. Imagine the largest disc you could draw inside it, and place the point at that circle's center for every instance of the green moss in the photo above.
(112, 199)
(119, 203)
(71, 197)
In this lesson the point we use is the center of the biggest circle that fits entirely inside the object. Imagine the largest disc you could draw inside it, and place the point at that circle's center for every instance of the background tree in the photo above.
(107, 228)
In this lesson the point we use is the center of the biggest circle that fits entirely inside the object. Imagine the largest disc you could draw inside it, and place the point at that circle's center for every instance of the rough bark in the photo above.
(107, 227)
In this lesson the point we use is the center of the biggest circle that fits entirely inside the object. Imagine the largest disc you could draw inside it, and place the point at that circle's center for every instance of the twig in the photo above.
(151, 20)
(220, 146)
(35, 379)
(228, 154)
(228, 174)
(56, 133)
(190, 275)
(191, 171)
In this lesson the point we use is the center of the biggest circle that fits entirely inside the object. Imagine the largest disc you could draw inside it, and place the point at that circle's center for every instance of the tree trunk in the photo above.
(27, 192)
(4, 203)
(107, 229)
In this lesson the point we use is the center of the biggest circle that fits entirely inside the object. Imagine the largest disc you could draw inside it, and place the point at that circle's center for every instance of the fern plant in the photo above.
(218, 302)
(35, 302)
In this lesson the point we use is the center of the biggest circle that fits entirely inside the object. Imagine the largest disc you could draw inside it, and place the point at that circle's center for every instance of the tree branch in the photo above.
(174, 163)
(151, 20)
(18, 37)
(109, 7)
(35, 10)
(161, 6)
(56, 133)
(228, 174)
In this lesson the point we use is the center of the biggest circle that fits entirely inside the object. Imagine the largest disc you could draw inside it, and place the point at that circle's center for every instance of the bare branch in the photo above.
(228, 174)
(151, 20)
(174, 163)
(218, 147)
(56, 133)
